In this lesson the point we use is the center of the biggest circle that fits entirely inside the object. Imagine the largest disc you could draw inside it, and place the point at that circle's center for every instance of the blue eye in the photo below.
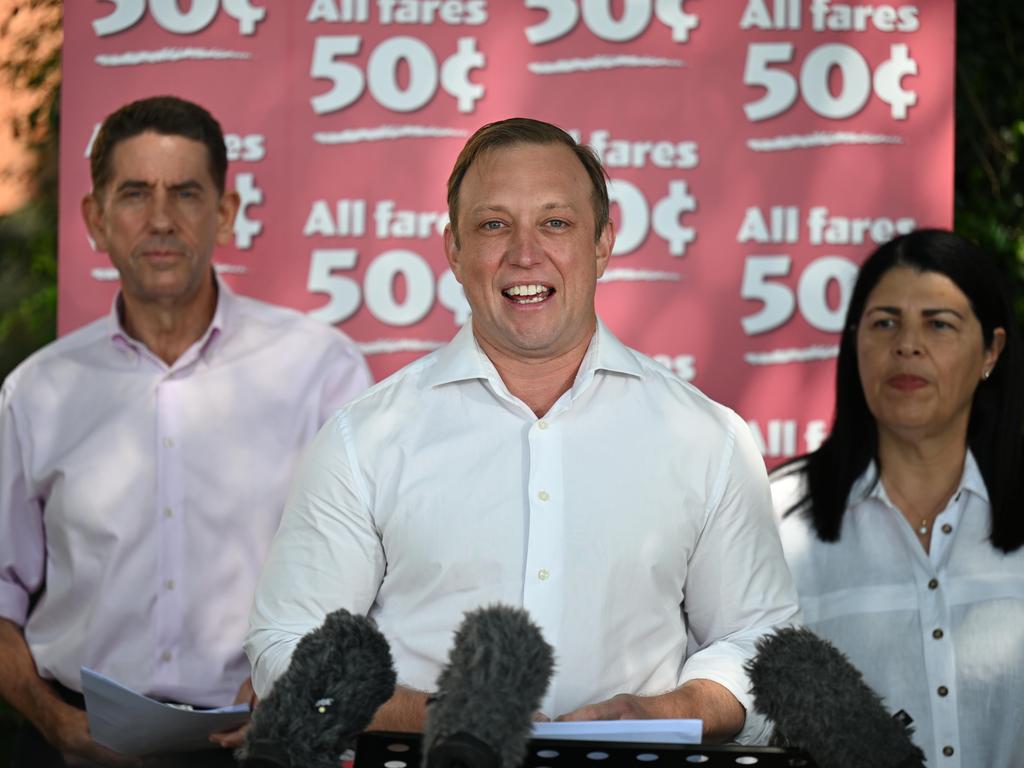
(558, 223)
(492, 224)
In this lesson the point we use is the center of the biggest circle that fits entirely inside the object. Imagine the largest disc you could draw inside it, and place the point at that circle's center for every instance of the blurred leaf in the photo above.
(989, 180)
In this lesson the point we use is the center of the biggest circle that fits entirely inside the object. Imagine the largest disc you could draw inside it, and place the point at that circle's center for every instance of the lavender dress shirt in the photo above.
(141, 498)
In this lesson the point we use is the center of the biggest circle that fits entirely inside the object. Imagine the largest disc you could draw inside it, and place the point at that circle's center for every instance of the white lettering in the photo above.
(824, 228)
(840, 17)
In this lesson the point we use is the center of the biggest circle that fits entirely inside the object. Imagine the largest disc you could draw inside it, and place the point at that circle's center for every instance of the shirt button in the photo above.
(542, 424)
(168, 512)
(168, 443)
(169, 584)
(543, 496)
(937, 634)
(943, 690)
(165, 656)
(947, 751)
(947, 528)
(543, 574)
(933, 584)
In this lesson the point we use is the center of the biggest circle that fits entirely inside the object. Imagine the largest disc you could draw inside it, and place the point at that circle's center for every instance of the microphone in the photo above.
(338, 677)
(819, 702)
(497, 674)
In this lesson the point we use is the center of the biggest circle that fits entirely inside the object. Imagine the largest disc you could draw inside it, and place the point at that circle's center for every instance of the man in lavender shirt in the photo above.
(145, 458)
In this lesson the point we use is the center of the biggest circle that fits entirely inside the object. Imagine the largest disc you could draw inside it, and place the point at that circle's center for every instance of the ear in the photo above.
(92, 215)
(995, 349)
(452, 252)
(605, 244)
(227, 209)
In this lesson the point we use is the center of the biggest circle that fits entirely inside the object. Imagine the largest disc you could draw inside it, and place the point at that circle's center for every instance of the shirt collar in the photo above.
(223, 314)
(463, 359)
(868, 487)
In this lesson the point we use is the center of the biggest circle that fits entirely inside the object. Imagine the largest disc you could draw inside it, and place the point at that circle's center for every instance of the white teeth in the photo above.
(527, 294)
(525, 290)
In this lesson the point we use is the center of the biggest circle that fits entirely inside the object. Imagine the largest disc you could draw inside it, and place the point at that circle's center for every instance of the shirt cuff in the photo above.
(725, 667)
(13, 603)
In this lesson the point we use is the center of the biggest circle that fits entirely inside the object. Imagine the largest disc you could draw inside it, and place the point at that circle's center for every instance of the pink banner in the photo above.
(758, 152)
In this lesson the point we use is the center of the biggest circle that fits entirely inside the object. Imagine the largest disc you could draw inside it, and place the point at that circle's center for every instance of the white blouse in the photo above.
(939, 634)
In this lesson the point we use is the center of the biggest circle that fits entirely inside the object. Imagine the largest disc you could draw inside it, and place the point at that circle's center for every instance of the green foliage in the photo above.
(989, 185)
(28, 237)
(28, 282)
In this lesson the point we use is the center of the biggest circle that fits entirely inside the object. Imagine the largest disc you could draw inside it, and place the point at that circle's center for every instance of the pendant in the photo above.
(923, 530)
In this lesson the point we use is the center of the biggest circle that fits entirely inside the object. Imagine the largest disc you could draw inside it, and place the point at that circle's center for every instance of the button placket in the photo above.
(171, 554)
(939, 658)
(544, 585)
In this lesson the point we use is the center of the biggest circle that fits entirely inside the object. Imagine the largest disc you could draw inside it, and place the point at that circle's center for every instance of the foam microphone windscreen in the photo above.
(818, 701)
(338, 677)
(497, 674)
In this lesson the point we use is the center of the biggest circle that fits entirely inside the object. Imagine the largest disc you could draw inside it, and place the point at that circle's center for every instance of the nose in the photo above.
(160, 215)
(908, 342)
(524, 248)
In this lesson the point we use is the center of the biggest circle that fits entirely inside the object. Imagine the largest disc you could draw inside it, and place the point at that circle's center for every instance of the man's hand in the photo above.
(623, 706)
(706, 700)
(68, 731)
(233, 739)
(63, 726)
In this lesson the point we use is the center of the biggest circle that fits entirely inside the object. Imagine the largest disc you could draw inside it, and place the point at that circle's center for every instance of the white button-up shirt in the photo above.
(632, 521)
(938, 634)
(142, 497)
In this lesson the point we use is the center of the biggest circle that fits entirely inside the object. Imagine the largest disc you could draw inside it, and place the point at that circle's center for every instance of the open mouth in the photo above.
(532, 293)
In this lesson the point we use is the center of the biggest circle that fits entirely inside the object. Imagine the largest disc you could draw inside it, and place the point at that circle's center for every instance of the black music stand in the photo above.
(402, 750)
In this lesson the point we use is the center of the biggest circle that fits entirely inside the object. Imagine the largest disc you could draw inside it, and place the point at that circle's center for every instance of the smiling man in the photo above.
(536, 461)
(144, 459)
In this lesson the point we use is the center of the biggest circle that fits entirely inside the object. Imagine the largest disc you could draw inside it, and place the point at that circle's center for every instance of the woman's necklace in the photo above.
(923, 528)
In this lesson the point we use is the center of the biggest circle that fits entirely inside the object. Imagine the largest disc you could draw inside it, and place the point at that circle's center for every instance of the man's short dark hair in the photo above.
(165, 115)
(523, 130)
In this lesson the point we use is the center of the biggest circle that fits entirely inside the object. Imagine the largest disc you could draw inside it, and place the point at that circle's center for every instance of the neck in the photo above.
(920, 476)
(168, 329)
(540, 381)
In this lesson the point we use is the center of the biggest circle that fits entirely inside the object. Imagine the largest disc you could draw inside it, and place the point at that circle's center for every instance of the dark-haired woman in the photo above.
(904, 530)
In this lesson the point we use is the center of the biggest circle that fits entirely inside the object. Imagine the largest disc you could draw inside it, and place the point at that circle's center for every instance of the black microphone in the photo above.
(339, 675)
(818, 701)
(497, 674)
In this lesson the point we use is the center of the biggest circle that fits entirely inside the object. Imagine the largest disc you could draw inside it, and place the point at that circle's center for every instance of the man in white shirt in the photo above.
(536, 461)
(145, 458)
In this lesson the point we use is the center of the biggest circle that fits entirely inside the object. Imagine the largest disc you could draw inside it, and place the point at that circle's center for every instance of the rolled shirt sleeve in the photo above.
(22, 540)
(738, 586)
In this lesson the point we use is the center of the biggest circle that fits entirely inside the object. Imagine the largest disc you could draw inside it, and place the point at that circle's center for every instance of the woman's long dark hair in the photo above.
(994, 433)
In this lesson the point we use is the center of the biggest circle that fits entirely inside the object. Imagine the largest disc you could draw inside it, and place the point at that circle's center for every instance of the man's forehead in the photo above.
(496, 154)
(491, 165)
(158, 157)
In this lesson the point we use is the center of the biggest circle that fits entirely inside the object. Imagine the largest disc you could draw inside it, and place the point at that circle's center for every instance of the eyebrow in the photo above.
(489, 207)
(131, 184)
(929, 312)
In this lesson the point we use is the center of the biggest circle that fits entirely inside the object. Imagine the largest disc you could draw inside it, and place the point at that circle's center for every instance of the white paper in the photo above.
(132, 724)
(642, 731)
